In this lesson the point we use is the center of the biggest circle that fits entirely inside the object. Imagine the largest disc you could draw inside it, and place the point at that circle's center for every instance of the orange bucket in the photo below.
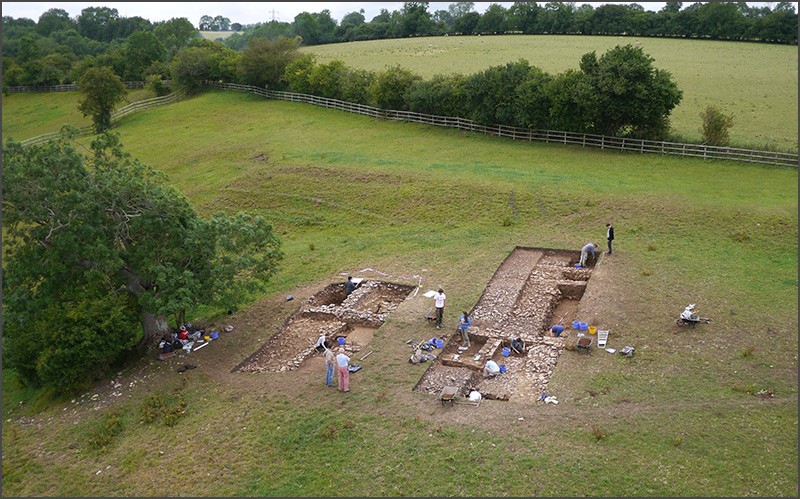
(592, 330)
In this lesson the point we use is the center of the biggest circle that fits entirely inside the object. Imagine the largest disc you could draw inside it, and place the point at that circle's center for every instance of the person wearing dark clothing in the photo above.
(609, 236)
(349, 286)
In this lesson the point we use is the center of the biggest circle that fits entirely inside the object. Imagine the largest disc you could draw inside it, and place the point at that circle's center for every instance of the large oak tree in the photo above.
(92, 242)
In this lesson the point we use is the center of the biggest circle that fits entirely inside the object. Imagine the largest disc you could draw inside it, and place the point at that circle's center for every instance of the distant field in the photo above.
(213, 35)
(757, 83)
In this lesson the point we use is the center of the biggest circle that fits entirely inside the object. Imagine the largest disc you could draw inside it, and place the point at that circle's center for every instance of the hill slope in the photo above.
(349, 194)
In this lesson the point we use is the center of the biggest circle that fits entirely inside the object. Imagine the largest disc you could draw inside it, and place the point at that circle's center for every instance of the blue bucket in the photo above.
(214, 335)
(583, 326)
(439, 343)
(432, 341)
(577, 265)
(340, 340)
(503, 368)
(576, 325)
(506, 351)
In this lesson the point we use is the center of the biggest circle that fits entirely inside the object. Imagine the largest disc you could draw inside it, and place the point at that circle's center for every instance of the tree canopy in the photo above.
(99, 242)
(100, 32)
(101, 90)
(263, 62)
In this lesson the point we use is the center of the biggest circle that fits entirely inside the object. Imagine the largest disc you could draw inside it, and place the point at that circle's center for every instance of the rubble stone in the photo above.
(330, 313)
(518, 302)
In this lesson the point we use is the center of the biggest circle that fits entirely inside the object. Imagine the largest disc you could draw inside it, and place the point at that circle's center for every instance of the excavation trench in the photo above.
(354, 318)
(532, 289)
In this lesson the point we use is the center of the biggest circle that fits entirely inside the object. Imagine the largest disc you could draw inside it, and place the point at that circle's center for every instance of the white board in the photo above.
(357, 280)
(429, 294)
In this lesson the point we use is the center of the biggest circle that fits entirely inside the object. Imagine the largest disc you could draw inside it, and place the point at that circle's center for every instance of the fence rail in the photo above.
(145, 104)
(516, 133)
(115, 115)
(130, 85)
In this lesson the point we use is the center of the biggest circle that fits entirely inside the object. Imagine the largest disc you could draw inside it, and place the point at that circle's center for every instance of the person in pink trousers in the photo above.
(343, 361)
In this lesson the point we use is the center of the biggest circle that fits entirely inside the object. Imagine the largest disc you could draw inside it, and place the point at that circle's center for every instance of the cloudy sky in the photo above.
(242, 12)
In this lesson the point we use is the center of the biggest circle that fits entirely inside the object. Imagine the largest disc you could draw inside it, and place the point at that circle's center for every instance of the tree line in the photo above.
(710, 20)
(618, 93)
(58, 49)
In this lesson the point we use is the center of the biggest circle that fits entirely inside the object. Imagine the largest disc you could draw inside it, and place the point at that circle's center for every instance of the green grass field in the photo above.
(213, 35)
(756, 83)
(27, 115)
(681, 418)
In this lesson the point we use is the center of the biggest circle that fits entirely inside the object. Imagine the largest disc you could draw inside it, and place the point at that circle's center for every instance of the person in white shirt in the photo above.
(322, 343)
(343, 361)
(491, 369)
(438, 302)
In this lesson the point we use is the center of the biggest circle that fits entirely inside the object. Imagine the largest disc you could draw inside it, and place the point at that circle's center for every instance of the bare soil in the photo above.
(532, 289)
(329, 312)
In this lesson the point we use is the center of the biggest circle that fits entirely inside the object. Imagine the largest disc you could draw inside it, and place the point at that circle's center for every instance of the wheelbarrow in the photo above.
(448, 394)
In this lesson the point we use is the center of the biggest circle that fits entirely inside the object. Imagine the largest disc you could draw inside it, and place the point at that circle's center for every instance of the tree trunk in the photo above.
(153, 327)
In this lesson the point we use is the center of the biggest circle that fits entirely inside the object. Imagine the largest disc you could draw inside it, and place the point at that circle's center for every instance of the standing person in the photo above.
(330, 362)
(438, 302)
(609, 236)
(463, 323)
(343, 361)
(349, 286)
(586, 251)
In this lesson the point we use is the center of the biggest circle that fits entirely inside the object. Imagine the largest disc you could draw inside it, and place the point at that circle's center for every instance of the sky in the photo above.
(245, 12)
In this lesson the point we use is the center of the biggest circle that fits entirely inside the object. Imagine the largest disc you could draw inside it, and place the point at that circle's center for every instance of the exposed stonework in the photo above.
(519, 301)
(327, 312)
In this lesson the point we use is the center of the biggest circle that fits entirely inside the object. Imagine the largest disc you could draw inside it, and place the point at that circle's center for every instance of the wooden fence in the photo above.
(68, 88)
(516, 133)
(115, 115)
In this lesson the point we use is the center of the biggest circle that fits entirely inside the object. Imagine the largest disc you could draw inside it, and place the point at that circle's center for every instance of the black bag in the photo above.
(167, 348)
(177, 345)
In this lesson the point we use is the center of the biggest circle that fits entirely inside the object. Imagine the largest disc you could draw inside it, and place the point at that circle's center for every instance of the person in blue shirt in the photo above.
(463, 324)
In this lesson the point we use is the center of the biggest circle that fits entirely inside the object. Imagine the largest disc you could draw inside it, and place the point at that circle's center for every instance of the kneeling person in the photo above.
(518, 345)
(491, 369)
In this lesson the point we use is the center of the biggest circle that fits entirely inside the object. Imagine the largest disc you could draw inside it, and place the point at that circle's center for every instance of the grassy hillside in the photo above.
(681, 418)
(27, 115)
(756, 83)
